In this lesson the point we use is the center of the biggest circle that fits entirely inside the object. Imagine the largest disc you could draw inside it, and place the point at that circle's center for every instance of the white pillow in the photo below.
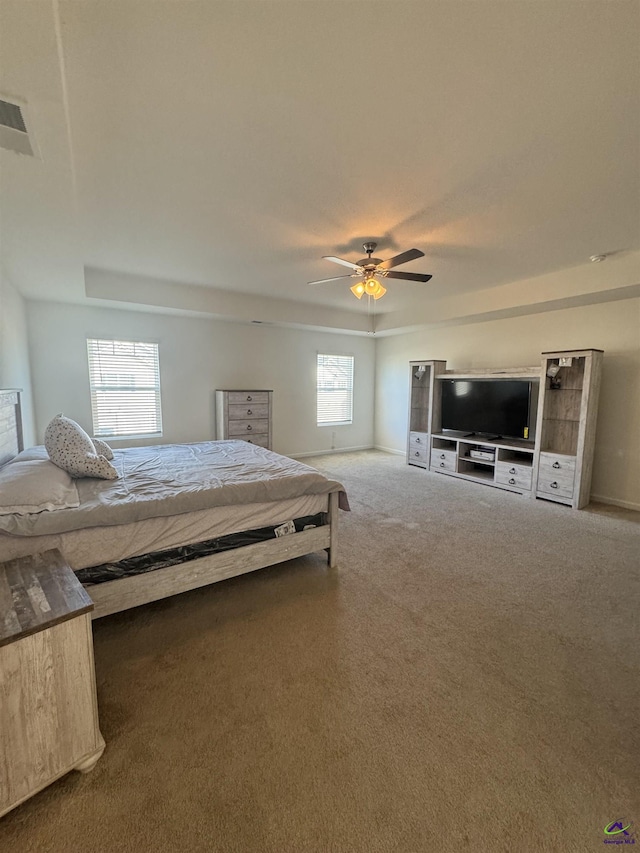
(70, 448)
(102, 448)
(36, 485)
(37, 452)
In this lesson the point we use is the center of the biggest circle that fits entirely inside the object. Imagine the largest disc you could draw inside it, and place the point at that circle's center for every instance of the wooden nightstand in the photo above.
(48, 705)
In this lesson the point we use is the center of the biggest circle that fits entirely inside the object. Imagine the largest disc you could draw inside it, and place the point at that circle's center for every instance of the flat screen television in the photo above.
(491, 408)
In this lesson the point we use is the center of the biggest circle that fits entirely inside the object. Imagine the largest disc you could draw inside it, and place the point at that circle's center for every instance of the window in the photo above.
(124, 377)
(335, 389)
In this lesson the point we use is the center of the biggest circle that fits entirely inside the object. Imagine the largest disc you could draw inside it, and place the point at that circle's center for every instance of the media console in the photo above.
(553, 463)
(510, 466)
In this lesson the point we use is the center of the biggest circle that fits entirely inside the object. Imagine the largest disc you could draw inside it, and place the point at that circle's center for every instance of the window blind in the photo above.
(124, 378)
(335, 389)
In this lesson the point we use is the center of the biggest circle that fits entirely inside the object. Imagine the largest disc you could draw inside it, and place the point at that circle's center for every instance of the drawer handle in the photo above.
(417, 440)
(556, 465)
(417, 453)
(512, 482)
(249, 427)
(554, 485)
(442, 464)
(512, 470)
(442, 456)
(249, 398)
(249, 412)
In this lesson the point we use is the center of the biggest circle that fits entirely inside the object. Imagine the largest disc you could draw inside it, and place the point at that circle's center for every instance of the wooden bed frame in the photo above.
(123, 593)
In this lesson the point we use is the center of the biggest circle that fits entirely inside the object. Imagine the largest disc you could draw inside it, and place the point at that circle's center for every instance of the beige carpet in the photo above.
(467, 680)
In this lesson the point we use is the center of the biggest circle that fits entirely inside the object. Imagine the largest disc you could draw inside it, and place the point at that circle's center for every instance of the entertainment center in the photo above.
(527, 430)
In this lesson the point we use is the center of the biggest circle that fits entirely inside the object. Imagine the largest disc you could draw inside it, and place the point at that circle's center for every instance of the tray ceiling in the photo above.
(229, 145)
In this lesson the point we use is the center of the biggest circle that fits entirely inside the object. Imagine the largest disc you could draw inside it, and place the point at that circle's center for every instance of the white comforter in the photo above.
(171, 479)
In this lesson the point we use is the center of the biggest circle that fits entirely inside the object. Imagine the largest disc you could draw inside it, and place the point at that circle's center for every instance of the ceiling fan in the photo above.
(368, 268)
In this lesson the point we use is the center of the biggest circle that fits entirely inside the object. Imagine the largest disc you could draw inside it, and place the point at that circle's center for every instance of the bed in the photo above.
(202, 512)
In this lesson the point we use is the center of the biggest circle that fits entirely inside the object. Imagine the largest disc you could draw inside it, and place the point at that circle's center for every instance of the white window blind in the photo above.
(124, 378)
(335, 389)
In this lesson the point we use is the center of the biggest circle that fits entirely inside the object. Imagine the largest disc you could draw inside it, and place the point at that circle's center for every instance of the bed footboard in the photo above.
(123, 593)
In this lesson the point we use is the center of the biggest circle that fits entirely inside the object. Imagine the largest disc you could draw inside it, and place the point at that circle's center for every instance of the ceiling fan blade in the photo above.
(409, 276)
(325, 280)
(402, 258)
(340, 261)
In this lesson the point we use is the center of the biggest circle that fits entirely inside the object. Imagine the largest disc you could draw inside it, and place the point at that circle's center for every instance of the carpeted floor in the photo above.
(466, 680)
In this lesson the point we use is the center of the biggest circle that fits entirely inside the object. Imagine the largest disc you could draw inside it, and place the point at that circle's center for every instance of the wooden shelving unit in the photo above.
(556, 464)
(567, 412)
(422, 409)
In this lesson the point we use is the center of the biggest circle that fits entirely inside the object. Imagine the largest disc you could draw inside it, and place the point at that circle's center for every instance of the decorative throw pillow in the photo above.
(102, 448)
(70, 448)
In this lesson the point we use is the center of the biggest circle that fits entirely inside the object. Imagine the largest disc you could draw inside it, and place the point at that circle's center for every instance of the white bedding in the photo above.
(166, 496)
(96, 545)
(172, 479)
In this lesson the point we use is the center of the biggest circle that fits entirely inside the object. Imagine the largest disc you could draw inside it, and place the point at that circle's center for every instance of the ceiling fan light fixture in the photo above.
(369, 267)
(379, 292)
(374, 288)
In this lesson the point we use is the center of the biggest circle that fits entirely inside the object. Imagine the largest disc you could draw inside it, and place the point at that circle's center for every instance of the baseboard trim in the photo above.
(389, 450)
(604, 499)
(327, 452)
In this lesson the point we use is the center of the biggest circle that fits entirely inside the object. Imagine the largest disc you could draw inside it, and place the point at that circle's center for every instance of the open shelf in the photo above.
(439, 443)
(517, 457)
(476, 470)
(562, 407)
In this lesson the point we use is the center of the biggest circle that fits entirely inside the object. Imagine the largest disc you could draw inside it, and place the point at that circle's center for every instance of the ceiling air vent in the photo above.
(14, 135)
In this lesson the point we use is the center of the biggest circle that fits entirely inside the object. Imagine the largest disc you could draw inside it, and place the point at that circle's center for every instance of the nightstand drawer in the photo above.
(443, 460)
(246, 427)
(508, 474)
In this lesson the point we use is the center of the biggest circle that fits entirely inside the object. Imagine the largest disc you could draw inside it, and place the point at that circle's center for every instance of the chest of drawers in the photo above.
(244, 415)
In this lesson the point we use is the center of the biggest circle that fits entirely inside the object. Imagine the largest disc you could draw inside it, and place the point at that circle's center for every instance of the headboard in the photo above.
(10, 425)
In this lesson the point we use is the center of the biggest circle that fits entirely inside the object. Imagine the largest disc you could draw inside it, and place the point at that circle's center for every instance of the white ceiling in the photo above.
(196, 152)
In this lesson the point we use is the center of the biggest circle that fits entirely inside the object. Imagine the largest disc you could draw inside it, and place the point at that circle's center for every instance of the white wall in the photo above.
(518, 342)
(14, 351)
(196, 357)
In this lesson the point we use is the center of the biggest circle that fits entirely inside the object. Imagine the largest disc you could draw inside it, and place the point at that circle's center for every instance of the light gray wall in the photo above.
(14, 351)
(196, 357)
(518, 342)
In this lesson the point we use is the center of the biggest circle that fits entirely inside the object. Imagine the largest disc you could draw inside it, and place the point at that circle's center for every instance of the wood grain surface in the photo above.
(37, 592)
